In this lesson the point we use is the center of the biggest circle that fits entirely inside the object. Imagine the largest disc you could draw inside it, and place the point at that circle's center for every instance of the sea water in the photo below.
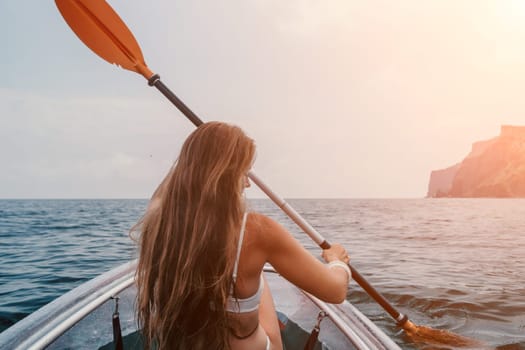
(454, 264)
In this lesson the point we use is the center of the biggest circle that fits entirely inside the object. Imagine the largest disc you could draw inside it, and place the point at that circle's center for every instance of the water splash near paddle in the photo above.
(434, 339)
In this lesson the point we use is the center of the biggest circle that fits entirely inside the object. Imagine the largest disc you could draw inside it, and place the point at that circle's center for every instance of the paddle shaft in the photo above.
(181, 106)
(400, 318)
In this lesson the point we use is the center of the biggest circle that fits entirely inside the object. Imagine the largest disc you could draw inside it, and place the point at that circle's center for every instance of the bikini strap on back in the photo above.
(239, 245)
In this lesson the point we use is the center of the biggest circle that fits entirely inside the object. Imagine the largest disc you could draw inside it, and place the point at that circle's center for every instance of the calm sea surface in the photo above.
(455, 264)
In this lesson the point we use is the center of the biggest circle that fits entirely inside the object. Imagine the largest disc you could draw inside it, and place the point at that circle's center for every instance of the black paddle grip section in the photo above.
(155, 81)
(325, 245)
(380, 299)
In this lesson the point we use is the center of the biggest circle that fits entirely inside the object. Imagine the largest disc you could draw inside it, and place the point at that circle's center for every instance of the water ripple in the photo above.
(448, 264)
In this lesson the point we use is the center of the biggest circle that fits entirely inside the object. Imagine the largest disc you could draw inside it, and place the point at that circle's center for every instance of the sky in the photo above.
(345, 99)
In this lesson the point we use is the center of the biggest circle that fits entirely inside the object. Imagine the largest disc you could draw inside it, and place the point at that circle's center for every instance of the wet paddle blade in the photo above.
(102, 30)
(440, 339)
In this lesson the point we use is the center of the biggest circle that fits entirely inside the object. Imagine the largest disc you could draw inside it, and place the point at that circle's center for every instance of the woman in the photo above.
(199, 275)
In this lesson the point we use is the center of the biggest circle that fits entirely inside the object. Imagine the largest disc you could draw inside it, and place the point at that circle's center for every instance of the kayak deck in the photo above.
(82, 318)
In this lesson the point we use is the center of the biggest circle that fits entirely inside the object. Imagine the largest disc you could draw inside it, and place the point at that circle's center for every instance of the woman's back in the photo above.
(264, 241)
(189, 242)
(245, 299)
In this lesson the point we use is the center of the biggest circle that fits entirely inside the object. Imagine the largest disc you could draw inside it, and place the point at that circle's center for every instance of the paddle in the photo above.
(102, 30)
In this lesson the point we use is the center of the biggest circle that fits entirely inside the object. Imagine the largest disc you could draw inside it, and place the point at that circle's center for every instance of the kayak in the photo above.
(83, 318)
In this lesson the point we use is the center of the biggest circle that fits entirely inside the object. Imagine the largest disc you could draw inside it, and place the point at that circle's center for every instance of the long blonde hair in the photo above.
(188, 238)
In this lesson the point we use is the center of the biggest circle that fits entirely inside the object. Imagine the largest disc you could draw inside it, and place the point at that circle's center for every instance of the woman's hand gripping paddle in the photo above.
(102, 30)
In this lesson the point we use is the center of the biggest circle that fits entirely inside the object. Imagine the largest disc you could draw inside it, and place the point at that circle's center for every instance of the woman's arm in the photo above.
(300, 267)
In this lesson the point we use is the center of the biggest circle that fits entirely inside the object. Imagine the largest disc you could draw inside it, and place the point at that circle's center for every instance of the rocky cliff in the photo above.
(493, 168)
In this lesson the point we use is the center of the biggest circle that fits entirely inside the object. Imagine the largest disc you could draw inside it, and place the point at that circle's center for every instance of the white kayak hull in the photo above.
(81, 318)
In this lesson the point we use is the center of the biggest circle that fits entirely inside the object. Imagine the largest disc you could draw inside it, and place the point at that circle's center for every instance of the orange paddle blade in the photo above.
(432, 338)
(102, 30)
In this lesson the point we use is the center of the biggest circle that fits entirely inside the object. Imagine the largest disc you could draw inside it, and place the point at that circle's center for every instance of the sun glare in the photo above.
(513, 10)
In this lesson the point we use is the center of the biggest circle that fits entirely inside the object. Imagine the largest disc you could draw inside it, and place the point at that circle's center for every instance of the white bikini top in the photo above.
(247, 304)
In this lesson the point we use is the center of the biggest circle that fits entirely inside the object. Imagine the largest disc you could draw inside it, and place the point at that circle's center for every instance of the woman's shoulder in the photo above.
(264, 225)
(260, 221)
(264, 231)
